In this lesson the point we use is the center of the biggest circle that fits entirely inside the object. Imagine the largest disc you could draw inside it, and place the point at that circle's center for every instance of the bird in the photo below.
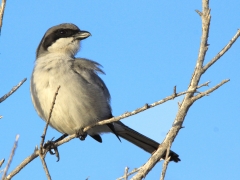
(83, 98)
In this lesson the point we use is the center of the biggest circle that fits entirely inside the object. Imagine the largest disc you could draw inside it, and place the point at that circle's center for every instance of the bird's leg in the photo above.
(81, 135)
(61, 137)
(49, 145)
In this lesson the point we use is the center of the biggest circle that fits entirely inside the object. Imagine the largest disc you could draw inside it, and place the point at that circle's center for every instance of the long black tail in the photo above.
(140, 140)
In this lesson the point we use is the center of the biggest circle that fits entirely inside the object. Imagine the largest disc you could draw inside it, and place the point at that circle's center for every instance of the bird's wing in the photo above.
(89, 69)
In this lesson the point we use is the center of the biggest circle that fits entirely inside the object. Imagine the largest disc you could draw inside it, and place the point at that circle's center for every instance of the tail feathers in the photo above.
(140, 140)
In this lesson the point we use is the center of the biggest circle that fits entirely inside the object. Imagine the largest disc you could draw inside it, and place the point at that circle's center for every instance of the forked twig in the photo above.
(165, 164)
(126, 175)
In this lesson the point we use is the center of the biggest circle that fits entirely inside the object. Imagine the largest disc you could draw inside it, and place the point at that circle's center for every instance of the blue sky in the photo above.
(146, 48)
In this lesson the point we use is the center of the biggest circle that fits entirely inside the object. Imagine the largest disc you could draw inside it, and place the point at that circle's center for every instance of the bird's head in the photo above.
(63, 38)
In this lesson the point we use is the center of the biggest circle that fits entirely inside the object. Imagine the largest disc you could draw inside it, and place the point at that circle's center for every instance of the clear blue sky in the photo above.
(145, 47)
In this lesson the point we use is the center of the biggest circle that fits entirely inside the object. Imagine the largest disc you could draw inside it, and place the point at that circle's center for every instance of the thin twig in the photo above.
(49, 117)
(165, 164)
(30, 158)
(1, 162)
(222, 52)
(206, 18)
(12, 90)
(43, 152)
(205, 93)
(129, 174)
(45, 166)
(2, 13)
(126, 173)
(199, 13)
(145, 107)
(11, 157)
(204, 84)
(125, 115)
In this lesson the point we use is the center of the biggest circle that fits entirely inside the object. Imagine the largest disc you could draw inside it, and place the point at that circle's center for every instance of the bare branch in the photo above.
(37, 151)
(126, 173)
(204, 84)
(199, 13)
(11, 157)
(145, 107)
(205, 93)
(69, 138)
(189, 98)
(165, 164)
(125, 115)
(129, 174)
(12, 90)
(43, 152)
(151, 162)
(1, 162)
(2, 13)
(203, 46)
(49, 117)
(45, 167)
(222, 52)
(23, 164)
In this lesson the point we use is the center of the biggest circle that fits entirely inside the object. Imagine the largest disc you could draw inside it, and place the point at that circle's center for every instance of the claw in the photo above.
(49, 145)
(81, 135)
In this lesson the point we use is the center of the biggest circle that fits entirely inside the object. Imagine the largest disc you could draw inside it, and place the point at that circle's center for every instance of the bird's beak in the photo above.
(82, 35)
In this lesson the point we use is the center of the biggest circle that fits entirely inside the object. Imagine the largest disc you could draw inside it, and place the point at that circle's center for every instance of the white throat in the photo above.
(68, 46)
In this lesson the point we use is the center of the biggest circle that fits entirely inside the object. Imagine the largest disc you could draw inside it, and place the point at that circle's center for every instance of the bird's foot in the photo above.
(81, 135)
(49, 146)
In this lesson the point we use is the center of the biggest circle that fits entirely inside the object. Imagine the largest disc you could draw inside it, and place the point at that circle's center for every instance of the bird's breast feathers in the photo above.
(53, 71)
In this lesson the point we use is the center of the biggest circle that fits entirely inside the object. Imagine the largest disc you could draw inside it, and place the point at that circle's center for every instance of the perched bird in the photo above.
(83, 98)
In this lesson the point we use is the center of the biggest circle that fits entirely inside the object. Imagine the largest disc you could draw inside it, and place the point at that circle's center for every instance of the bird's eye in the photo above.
(63, 32)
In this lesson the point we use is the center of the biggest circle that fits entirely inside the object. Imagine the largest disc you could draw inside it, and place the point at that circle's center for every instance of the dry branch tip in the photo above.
(199, 13)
